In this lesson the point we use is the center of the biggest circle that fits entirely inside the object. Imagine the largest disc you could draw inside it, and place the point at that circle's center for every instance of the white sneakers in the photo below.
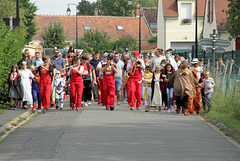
(89, 102)
(85, 104)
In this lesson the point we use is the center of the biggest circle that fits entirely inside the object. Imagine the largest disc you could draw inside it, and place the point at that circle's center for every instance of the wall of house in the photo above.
(224, 35)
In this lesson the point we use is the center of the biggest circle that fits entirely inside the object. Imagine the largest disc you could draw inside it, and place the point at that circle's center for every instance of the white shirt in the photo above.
(130, 63)
(207, 83)
(79, 72)
(25, 74)
(156, 61)
(199, 69)
(173, 63)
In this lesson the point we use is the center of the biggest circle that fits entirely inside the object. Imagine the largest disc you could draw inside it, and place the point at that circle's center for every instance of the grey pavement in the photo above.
(95, 134)
(10, 115)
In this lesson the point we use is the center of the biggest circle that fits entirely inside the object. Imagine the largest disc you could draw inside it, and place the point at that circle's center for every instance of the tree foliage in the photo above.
(126, 41)
(54, 36)
(12, 44)
(96, 40)
(116, 8)
(149, 3)
(152, 39)
(233, 18)
(86, 8)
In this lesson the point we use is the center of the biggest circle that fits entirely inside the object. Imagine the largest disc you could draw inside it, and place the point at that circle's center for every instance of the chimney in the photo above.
(137, 10)
(96, 11)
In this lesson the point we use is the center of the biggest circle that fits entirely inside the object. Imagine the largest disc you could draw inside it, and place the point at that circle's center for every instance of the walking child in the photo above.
(169, 71)
(59, 84)
(14, 92)
(35, 92)
(147, 89)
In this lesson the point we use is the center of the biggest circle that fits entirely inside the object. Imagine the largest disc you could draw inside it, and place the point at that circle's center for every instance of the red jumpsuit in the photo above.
(102, 90)
(128, 92)
(135, 87)
(45, 88)
(109, 87)
(76, 89)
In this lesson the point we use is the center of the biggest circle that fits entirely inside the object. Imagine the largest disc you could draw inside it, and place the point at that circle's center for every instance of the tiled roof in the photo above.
(102, 23)
(170, 8)
(220, 16)
(150, 14)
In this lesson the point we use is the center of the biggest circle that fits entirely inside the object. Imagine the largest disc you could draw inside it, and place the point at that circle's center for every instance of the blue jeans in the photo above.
(36, 96)
(118, 83)
(169, 97)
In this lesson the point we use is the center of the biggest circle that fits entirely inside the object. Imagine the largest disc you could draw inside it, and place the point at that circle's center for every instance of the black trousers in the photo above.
(87, 90)
(182, 102)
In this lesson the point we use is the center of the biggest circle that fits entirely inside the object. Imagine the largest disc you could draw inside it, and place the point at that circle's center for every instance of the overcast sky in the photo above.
(55, 7)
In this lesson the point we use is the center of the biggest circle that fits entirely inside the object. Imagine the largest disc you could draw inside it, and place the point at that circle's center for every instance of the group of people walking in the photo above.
(159, 81)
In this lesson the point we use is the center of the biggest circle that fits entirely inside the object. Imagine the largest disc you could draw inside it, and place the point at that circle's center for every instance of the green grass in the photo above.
(2, 133)
(1, 111)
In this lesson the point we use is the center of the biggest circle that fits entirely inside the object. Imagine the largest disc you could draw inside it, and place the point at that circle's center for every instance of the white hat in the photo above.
(194, 61)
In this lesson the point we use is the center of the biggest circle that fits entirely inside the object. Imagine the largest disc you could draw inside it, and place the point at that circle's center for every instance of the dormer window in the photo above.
(86, 27)
(120, 28)
(210, 11)
(186, 12)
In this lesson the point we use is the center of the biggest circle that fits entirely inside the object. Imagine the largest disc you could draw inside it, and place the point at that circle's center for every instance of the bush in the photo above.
(12, 44)
(152, 39)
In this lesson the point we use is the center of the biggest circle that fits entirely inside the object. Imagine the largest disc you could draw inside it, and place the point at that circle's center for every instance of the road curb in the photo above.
(17, 122)
(216, 128)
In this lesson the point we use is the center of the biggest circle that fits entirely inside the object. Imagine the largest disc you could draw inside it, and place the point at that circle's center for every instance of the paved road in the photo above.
(122, 135)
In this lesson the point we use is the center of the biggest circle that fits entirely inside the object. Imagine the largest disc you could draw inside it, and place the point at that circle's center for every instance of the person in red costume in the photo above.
(109, 82)
(76, 81)
(135, 66)
(45, 87)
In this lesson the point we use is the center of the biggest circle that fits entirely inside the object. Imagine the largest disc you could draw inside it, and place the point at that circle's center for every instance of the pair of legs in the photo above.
(118, 83)
(182, 102)
(170, 98)
(76, 91)
(15, 105)
(135, 93)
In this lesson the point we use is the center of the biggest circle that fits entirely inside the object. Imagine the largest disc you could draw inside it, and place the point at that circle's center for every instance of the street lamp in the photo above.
(69, 13)
(140, 28)
(196, 32)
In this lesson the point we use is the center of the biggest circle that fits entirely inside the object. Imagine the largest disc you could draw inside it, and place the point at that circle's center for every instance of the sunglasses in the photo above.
(109, 59)
(56, 53)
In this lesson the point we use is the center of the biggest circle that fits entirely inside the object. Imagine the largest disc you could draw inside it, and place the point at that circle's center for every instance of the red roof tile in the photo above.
(102, 23)
(221, 16)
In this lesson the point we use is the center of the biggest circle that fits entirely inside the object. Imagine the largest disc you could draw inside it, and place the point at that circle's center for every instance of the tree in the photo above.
(149, 3)
(29, 14)
(12, 44)
(233, 18)
(86, 8)
(96, 41)
(54, 36)
(126, 41)
(116, 8)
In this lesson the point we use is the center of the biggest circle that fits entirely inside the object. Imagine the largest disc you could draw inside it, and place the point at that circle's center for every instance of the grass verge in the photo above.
(1, 111)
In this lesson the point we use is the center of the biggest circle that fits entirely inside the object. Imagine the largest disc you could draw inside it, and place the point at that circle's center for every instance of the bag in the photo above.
(87, 77)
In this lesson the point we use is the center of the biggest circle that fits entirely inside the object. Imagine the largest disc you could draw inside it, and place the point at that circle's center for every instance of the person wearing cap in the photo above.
(135, 79)
(195, 65)
(101, 89)
(109, 82)
(59, 84)
(76, 81)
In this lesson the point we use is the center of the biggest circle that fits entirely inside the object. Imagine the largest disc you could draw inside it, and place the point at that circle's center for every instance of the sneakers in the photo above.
(169, 110)
(131, 108)
(60, 108)
(138, 108)
(89, 102)
(172, 109)
(107, 108)
(178, 110)
(111, 108)
(85, 104)
(77, 109)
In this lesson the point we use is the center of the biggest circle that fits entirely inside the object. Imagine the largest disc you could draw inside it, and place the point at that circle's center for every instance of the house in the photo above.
(215, 18)
(176, 23)
(116, 27)
(150, 15)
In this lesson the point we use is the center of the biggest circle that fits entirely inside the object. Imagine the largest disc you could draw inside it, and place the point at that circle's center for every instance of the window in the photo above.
(186, 11)
(153, 25)
(120, 28)
(86, 27)
(210, 11)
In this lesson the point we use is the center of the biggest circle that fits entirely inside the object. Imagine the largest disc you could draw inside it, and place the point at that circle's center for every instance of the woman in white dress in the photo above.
(156, 90)
(26, 85)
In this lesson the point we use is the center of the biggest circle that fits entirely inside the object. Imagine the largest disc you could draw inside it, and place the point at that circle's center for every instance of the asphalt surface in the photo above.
(95, 134)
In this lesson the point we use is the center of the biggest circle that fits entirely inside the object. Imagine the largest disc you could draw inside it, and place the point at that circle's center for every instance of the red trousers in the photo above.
(135, 92)
(128, 92)
(102, 91)
(45, 90)
(76, 90)
(109, 87)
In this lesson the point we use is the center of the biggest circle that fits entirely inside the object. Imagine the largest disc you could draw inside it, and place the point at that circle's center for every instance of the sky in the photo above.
(55, 7)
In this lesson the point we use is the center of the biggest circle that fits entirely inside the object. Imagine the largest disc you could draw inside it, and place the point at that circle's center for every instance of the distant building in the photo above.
(176, 23)
(216, 19)
(116, 27)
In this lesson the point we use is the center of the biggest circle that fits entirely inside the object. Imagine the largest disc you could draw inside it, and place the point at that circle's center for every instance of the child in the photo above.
(156, 89)
(208, 84)
(59, 84)
(35, 92)
(147, 80)
(202, 91)
(169, 71)
(14, 92)
(26, 85)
